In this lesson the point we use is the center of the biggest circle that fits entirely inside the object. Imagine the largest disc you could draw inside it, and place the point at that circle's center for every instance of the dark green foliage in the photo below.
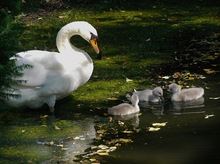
(8, 45)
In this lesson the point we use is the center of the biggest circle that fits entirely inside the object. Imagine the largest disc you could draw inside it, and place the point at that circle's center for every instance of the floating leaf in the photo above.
(208, 116)
(177, 75)
(102, 152)
(103, 147)
(165, 77)
(76, 138)
(98, 137)
(209, 71)
(44, 116)
(153, 129)
(92, 159)
(49, 143)
(191, 78)
(127, 131)
(101, 131)
(214, 98)
(160, 124)
(148, 40)
(123, 140)
(113, 148)
(209, 57)
(60, 145)
(64, 148)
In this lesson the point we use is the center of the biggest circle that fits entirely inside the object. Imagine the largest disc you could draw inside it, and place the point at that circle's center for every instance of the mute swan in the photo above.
(154, 95)
(55, 75)
(125, 108)
(185, 94)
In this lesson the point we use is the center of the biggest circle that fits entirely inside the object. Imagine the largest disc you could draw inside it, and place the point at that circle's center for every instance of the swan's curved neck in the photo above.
(63, 43)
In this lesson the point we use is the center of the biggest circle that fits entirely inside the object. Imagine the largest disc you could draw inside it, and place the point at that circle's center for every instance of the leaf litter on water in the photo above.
(160, 124)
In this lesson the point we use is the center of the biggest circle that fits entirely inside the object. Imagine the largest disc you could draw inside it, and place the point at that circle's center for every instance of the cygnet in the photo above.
(154, 95)
(185, 94)
(125, 108)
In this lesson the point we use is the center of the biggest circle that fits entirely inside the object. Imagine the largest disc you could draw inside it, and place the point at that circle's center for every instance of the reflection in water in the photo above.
(76, 145)
(81, 142)
(178, 107)
(134, 117)
(156, 108)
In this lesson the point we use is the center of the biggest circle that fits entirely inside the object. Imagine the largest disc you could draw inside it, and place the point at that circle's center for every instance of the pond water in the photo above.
(190, 134)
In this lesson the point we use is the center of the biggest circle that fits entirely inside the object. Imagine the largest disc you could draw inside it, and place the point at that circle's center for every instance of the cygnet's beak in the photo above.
(94, 44)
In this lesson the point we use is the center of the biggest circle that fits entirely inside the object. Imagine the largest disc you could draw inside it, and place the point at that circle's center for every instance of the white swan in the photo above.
(125, 108)
(55, 75)
(154, 95)
(184, 94)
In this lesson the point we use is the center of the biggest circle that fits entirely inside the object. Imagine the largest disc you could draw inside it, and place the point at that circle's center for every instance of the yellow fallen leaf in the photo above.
(153, 129)
(92, 159)
(117, 144)
(160, 124)
(44, 116)
(191, 78)
(127, 131)
(113, 148)
(112, 98)
(209, 71)
(102, 152)
(103, 147)
(64, 148)
(60, 145)
(101, 131)
(123, 140)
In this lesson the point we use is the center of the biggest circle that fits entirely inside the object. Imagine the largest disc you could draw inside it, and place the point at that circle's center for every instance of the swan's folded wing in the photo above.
(42, 65)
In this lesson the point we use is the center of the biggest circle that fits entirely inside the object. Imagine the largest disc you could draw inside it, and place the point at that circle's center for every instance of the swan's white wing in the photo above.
(43, 64)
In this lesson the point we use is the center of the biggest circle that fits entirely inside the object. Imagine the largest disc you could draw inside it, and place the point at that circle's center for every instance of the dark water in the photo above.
(188, 137)
(191, 134)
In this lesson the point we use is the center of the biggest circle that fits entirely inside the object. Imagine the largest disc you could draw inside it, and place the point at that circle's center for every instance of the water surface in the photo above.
(191, 134)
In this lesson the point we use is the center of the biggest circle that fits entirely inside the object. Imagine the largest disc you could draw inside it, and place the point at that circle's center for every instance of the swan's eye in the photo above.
(93, 37)
(94, 43)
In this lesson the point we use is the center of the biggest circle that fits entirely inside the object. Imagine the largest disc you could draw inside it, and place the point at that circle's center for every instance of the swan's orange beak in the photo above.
(94, 44)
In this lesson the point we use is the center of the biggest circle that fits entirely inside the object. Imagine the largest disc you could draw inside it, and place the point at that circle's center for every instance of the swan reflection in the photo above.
(180, 106)
(156, 108)
(134, 118)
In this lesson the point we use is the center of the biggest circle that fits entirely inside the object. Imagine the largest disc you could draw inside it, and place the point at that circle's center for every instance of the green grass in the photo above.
(132, 38)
